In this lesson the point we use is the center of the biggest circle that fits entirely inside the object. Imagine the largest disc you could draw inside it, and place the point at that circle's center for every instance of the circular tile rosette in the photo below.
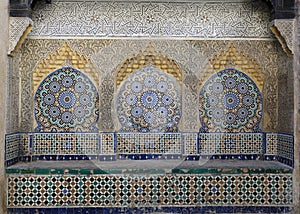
(230, 101)
(66, 101)
(149, 101)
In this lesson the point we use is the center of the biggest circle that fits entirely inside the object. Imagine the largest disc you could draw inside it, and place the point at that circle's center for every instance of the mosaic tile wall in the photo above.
(230, 102)
(12, 151)
(190, 147)
(224, 144)
(109, 146)
(285, 149)
(66, 101)
(146, 191)
(149, 101)
(280, 147)
(152, 143)
(107, 143)
(72, 144)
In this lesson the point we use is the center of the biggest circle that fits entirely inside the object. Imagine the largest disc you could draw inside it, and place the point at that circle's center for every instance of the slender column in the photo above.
(3, 76)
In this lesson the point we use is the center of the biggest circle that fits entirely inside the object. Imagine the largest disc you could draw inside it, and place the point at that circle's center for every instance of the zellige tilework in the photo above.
(65, 101)
(230, 101)
(153, 190)
(149, 101)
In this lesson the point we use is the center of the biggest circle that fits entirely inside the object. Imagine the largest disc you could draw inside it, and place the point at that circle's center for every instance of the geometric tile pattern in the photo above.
(152, 190)
(25, 144)
(12, 145)
(148, 143)
(280, 147)
(66, 101)
(190, 141)
(231, 143)
(65, 143)
(149, 101)
(21, 146)
(285, 149)
(230, 101)
(271, 143)
(107, 143)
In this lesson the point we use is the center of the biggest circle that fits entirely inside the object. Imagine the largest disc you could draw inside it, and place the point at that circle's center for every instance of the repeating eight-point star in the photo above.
(65, 101)
(149, 101)
(230, 101)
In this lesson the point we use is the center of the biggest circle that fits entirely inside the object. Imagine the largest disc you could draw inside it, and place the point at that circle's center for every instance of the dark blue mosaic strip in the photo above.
(144, 210)
(11, 162)
(233, 157)
(286, 161)
(107, 157)
(65, 157)
(192, 157)
(149, 156)
(270, 157)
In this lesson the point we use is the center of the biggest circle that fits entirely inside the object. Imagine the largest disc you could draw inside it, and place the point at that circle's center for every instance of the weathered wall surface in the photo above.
(3, 96)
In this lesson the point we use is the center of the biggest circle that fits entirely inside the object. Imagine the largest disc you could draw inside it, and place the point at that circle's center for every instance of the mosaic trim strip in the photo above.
(280, 147)
(146, 191)
(145, 210)
(224, 143)
(149, 143)
(205, 19)
(68, 143)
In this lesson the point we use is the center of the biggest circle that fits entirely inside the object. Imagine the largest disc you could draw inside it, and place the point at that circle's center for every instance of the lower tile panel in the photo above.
(149, 191)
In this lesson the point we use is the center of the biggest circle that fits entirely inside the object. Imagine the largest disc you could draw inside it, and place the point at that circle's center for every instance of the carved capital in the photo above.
(19, 28)
(284, 31)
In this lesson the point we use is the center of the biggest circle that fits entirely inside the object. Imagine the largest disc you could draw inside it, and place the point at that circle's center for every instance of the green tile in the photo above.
(42, 171)
(27, 171)
(12, 171)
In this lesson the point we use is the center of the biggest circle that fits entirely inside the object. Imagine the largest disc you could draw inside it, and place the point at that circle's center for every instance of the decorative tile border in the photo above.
(107, 143)
(190, 143)
(145, 191)
(144, 210)
(142, 146)
(280, 147)
(285, 150)
(148, 143)
(66, 143)
(12, 152)
(230, 143)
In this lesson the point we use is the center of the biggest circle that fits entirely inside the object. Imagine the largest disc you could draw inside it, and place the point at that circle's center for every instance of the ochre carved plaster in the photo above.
(232, 58)
(65, 56)
(148, 57)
